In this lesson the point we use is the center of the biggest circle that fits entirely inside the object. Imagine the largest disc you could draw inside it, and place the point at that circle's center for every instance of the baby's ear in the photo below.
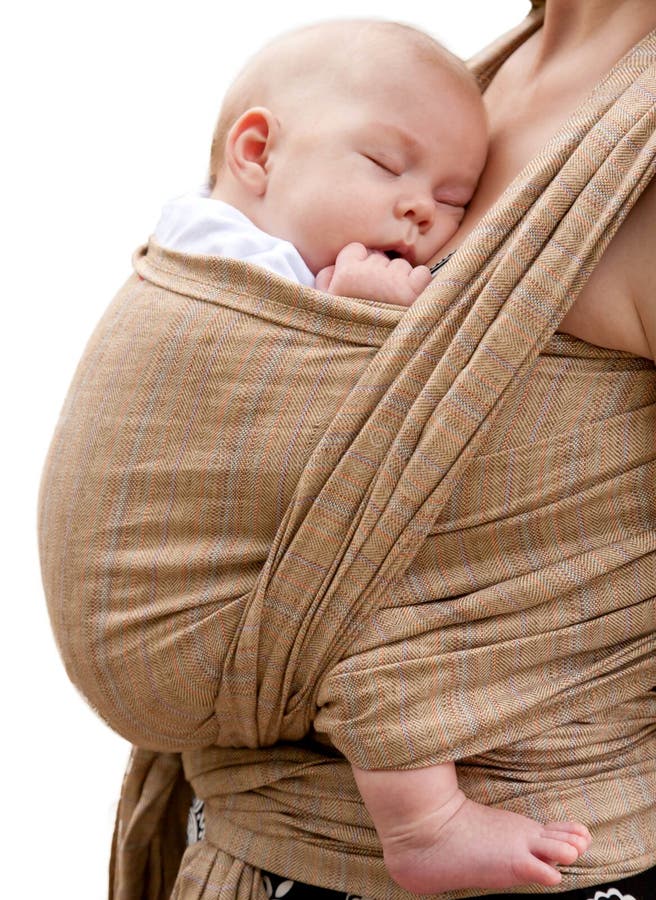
(248, 146)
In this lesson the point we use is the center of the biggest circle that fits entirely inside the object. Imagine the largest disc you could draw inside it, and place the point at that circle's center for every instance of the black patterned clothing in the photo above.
(637, 887)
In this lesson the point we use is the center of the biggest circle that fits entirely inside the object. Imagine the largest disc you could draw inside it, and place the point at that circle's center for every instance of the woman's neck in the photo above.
(545, 80)
(613, 26)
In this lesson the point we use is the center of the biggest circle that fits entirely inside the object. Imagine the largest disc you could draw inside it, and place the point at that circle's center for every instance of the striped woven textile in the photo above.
(280, 530)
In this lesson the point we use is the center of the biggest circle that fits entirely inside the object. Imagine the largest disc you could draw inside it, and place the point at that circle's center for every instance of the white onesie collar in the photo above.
(196, 223)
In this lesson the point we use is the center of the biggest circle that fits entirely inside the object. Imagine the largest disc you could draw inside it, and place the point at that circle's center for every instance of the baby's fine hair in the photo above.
(301, 63)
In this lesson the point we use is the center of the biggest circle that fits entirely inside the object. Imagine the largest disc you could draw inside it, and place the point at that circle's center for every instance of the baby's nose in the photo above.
(420, 209)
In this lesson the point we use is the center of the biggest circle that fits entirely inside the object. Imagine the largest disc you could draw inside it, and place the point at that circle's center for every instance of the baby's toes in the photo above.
(555, 849)
(571, 827)
(529, 869)
(573, 832)
(576, 841)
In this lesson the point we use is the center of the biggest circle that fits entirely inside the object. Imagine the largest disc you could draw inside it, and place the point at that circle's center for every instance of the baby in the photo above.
(345, 154)
(349, 151)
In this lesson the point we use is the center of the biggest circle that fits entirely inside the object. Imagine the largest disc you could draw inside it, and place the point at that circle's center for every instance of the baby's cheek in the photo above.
(445, 228)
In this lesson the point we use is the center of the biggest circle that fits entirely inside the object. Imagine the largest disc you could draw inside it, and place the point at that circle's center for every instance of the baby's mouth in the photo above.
(401, 251)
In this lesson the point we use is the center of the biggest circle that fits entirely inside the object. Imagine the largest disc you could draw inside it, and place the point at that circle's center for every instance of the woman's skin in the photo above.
(535, 91)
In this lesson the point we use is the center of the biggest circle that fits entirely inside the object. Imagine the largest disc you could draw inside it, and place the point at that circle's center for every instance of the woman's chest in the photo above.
(605, 312)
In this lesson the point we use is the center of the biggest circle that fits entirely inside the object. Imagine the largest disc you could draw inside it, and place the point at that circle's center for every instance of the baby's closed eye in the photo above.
(387, 165)
(454, 203)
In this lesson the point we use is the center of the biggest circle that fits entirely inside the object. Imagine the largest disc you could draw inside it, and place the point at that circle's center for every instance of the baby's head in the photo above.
(352, 131)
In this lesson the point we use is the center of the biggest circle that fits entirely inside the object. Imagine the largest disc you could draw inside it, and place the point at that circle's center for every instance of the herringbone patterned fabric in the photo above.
(274, 517)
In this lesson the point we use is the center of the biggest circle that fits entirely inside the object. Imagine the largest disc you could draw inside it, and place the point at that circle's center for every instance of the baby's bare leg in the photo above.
(435, 839)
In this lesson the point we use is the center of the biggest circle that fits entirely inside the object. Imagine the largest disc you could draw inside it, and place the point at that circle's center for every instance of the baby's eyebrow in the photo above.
(409, 142)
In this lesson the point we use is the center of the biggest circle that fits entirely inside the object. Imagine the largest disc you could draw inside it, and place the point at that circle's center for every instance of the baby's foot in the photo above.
(466, 845)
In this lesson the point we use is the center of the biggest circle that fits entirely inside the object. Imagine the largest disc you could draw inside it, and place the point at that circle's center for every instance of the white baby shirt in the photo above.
(195, 223)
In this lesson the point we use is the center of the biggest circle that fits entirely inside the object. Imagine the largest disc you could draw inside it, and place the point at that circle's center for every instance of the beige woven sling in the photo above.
(281, 530)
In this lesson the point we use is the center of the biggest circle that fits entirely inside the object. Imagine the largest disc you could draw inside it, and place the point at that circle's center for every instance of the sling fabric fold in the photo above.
(278, 526)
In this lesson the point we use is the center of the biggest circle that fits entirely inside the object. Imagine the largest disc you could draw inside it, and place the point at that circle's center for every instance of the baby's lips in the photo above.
(402, 250)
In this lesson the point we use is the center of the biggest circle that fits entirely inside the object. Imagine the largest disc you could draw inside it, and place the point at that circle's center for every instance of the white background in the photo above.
(107, 111)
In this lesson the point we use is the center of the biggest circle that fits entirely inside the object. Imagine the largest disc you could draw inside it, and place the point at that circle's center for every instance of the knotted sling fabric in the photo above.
(277, 526)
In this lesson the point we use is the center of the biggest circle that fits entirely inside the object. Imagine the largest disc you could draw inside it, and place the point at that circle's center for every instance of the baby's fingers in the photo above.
(420, 278)
(324, 277)
(400, 267)
(352, 253)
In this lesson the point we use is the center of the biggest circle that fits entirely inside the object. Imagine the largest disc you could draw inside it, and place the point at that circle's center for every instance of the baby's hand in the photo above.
(369, 274)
